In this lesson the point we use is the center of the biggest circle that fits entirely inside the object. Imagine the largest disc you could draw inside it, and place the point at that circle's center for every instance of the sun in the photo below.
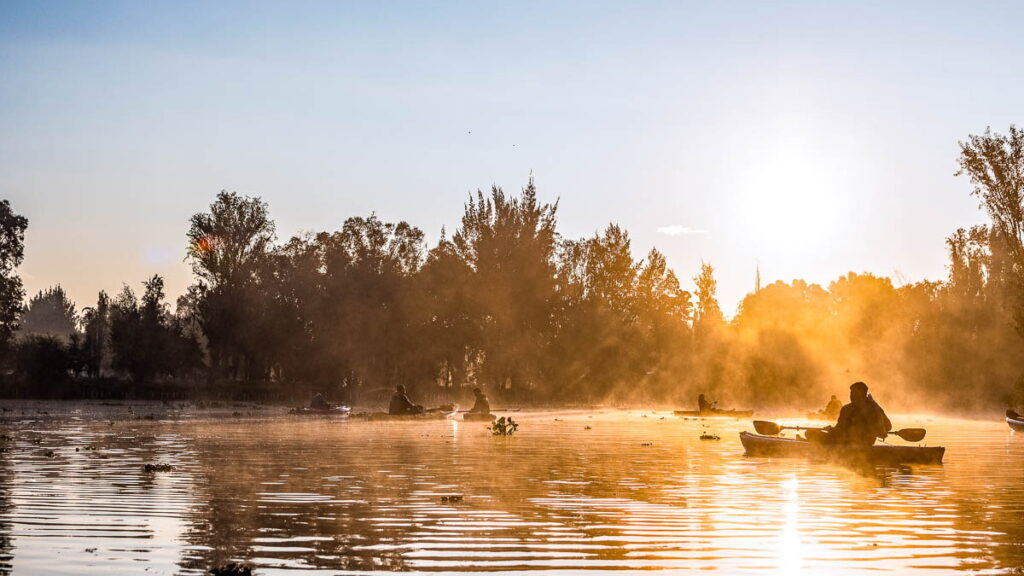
(790, 202)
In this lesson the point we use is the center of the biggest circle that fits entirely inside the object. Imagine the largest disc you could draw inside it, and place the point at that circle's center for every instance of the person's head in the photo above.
(833, 396)
(400, 389)
(858, 391)
(478, 392)
(701, 397)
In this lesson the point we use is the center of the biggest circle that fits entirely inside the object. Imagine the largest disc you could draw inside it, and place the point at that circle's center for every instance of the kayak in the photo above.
(715, 413)
(821, 416)
(332, 411)
(1016, 424)
(432, 415)
(478, 417)
(773, 446)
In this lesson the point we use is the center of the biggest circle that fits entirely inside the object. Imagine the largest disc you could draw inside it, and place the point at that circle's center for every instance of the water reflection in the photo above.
(288, 495)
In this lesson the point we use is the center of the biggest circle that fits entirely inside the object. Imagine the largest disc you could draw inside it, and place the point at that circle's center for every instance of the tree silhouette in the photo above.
(96, 324)
(228, 249)
(12, 252)
(50, 313)
(995, 165)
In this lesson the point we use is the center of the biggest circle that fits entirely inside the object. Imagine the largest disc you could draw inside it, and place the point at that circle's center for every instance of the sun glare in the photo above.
(790, 202)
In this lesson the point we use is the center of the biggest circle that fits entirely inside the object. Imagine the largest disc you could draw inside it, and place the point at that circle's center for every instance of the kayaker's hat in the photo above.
(401, 389)
(860, 385)
(477, 391)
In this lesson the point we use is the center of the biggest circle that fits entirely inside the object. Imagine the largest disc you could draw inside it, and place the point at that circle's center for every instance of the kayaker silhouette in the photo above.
(860, 422)
(482, 405)
(833, 407)
(703, 405)
(400, 403)
(318, 402)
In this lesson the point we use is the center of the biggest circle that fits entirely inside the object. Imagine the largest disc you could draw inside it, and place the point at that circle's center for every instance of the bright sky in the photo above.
(811, 138)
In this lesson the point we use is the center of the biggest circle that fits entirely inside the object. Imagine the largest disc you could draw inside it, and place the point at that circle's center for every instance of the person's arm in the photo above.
(406, 403)
(845, 415)
(884, 424)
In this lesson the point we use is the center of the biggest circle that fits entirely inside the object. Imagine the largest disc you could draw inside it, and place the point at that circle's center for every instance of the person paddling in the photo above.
(318, 402)
(400, 403)
(833, 408)
(703, 405)
(860, 422)
(482, 405)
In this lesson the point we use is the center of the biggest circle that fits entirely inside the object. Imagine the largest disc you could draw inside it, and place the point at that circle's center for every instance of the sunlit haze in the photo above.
(809, 139)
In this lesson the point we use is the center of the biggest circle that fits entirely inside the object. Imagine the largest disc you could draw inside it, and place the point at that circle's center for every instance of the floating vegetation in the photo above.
(454, 498)
(232, 569)
(647, 444)
(588, 428)
(504, 427)
(49, 454)
(150, 468)
(709, 436)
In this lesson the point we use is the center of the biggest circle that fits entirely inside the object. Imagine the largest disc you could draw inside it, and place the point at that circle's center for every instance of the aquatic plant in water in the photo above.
(504, 427)
(150, 468)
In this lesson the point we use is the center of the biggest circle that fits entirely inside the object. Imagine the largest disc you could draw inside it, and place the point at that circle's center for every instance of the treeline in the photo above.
(506, 302)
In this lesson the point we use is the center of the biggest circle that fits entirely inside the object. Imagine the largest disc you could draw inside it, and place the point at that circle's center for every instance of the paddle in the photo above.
(1013, 415)
(444, 409)
(495, 410)
(771, 429)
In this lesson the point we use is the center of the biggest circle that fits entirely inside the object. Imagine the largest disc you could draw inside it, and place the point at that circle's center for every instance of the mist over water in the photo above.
(637, 490)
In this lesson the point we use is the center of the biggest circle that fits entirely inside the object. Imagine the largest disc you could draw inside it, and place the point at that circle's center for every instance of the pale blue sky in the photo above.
(812, 137)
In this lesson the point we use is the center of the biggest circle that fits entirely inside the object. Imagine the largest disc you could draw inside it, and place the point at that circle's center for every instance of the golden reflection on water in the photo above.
(633, 492)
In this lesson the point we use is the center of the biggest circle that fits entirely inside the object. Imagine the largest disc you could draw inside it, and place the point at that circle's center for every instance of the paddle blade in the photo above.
(1013, 415)
(911, 434)
(767, 428)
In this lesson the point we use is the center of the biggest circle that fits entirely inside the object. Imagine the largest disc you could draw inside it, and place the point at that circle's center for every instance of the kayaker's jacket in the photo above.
(703, 405)
(318, 403)
(860, 423)
(482, 405)
(400, 404)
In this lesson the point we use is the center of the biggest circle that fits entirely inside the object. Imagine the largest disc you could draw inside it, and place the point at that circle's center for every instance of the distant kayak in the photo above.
(775, 447)
(822, 416)
(332, 411)
(715, 413)
(1016, 424)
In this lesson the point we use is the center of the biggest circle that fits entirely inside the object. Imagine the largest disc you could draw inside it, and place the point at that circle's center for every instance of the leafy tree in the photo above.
(448, 324)
(228, 243)
(228, 249)
(995, 165)
(43, 362)
(50, 313)
(145, 340)
(708, 314)
(96, 324)
(12, 251)
(509, 244)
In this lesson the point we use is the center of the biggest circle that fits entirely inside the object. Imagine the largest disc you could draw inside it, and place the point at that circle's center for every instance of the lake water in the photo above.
(571, 492)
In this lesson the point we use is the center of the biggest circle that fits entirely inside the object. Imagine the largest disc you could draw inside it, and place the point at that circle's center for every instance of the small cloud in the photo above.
(160, 255)
(677, 230)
